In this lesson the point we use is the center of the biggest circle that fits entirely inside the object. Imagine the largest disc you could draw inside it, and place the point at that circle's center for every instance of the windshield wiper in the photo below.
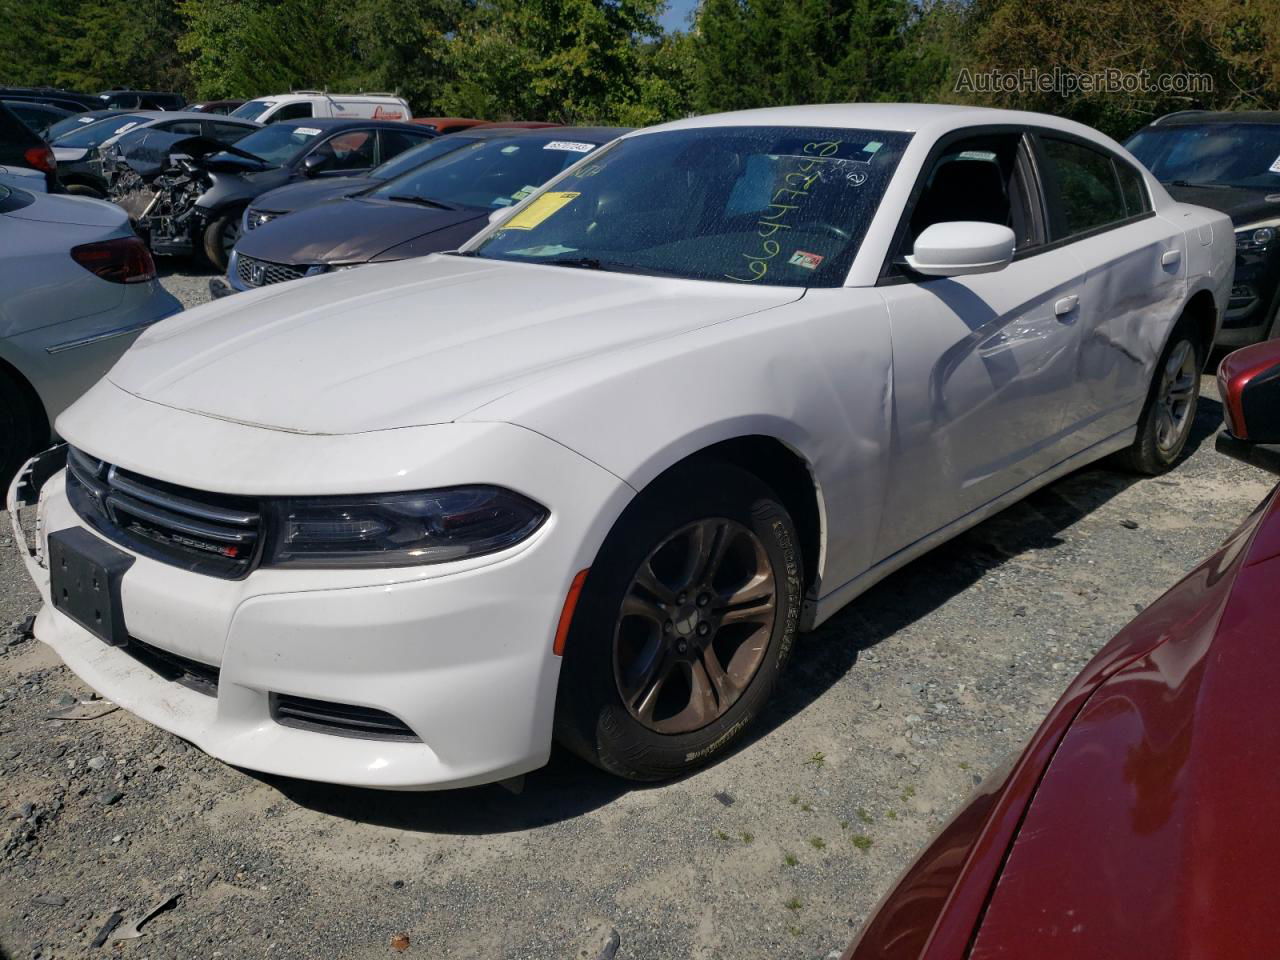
(582, 263)
(420, 201)
(1188, 183)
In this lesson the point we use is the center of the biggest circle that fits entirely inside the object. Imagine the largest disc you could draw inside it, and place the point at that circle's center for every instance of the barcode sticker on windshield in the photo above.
(307, 131)
(569, 145)
(1275, 167)
(87, 119)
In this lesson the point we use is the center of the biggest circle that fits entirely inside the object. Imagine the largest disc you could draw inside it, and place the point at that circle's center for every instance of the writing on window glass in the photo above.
(780, 213)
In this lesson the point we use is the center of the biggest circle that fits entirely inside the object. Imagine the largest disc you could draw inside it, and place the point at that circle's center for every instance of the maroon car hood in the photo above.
(1155, 831)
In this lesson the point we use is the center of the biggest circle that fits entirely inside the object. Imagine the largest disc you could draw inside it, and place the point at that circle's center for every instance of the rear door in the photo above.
(1134, 268)
(982, 364)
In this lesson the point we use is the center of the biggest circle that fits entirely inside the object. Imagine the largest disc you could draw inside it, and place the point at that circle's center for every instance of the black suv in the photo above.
(141, 100)
(1230, 162)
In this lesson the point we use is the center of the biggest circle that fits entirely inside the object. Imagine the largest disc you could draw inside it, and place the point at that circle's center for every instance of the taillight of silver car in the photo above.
(122, 260)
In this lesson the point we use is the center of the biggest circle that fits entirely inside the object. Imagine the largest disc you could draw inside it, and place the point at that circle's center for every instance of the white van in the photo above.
(301, 104)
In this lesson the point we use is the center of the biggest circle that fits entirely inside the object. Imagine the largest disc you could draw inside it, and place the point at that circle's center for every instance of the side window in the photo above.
(397, 141)
(227, 132)
(978, 178)
(352, 150)
(1136, 200)
(185, 127)
(1087, 189)
(293, 111)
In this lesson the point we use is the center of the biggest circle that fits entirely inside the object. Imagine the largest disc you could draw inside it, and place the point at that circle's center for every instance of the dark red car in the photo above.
(1143, 817)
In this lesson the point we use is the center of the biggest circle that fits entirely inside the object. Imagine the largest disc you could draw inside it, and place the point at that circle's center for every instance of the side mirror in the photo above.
(313, 163)
(962, 247)
(1249, 384)
(500, 215)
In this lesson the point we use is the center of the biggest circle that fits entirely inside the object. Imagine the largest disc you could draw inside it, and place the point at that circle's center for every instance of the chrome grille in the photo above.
(207, 533)
(260, 273)
(256, 218)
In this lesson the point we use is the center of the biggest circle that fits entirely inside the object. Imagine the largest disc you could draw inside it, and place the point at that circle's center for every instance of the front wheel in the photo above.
(1166, 420)
(220, 238)
(685, 622)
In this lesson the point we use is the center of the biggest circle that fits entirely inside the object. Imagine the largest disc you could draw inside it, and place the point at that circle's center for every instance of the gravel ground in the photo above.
(890, 714)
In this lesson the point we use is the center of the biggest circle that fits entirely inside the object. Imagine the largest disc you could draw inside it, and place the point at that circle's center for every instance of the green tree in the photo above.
(752, 53)
(577, 61)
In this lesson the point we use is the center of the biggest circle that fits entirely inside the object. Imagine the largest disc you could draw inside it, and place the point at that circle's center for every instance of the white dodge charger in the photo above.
(404, 525)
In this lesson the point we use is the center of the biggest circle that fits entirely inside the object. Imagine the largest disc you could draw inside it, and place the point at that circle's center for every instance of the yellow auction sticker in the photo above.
(541, 208)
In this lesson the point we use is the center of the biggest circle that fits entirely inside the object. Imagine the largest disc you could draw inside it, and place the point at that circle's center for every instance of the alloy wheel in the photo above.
(694, 626)
(1175, 404)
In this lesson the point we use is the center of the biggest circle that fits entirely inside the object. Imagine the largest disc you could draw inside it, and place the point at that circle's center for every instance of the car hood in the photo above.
(66, 208)
(349, 230)
(410, 343)
(295, 196)
(1153, 830)
(1241, 205)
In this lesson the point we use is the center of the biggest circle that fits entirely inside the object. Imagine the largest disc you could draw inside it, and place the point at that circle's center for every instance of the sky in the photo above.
(677, 15)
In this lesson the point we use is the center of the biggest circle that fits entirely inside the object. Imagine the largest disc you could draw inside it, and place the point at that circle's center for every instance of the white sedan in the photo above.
(403, 525)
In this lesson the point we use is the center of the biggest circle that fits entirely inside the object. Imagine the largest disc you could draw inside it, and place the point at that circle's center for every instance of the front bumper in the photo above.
(461, 653)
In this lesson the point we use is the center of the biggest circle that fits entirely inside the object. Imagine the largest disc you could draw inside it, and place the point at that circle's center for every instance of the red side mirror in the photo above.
(1249, 384)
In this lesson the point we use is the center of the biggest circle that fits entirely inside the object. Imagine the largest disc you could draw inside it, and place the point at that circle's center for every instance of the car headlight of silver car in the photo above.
(398, 529)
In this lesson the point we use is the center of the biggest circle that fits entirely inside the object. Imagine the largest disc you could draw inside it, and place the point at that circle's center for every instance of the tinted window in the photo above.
(186, 127)
(1087, 189)
(417, 156)
(1136, 200)
(253, 109)
(347, 151)
(1235, 154)
(228, 132)
(976, 179)
(93, 134)
(489, 173)
(784, 206)
(293, 111)
(278, 143)
(395, 142)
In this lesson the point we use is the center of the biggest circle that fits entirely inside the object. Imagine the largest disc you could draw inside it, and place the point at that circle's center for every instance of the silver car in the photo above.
(78, 286)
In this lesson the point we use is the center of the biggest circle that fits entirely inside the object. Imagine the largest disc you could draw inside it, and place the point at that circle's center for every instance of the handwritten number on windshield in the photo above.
(796, 187)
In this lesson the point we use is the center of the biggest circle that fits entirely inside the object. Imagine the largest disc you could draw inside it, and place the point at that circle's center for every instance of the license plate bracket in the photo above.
(84, 582)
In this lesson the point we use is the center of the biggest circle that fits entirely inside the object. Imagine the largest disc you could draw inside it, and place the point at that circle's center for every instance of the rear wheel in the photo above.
(220, 237)
(685, 622)
(1170, 412)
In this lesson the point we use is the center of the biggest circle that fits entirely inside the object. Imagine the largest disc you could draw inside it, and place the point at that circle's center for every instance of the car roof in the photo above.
(340, 123)
(602, 134)
(1193, 117)
(184, 115)
(931, 119)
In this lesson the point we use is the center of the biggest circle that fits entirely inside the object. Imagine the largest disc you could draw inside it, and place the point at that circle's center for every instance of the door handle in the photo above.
(1065, 305)
(1170, 257)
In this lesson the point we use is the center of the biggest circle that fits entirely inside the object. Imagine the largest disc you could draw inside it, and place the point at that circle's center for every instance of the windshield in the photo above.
(771, 205)
(74, 122)
(417, 156)
(1226, 154)
(92, 134)
(278, 143)
(253, 109)
(488, 173)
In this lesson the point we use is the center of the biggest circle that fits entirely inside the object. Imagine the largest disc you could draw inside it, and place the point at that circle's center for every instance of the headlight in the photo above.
(399, 529)
(1255, 236)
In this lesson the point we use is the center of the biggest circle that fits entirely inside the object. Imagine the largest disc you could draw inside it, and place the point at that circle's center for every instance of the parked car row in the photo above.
(610, 416)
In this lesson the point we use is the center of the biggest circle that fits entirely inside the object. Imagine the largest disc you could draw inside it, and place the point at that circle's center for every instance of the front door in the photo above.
(983, 364)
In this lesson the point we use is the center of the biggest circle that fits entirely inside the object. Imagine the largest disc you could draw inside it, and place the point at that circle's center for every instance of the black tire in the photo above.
(84, 190)
(219, 236)
(1150, 454)
(23, 429)
(592, 718)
